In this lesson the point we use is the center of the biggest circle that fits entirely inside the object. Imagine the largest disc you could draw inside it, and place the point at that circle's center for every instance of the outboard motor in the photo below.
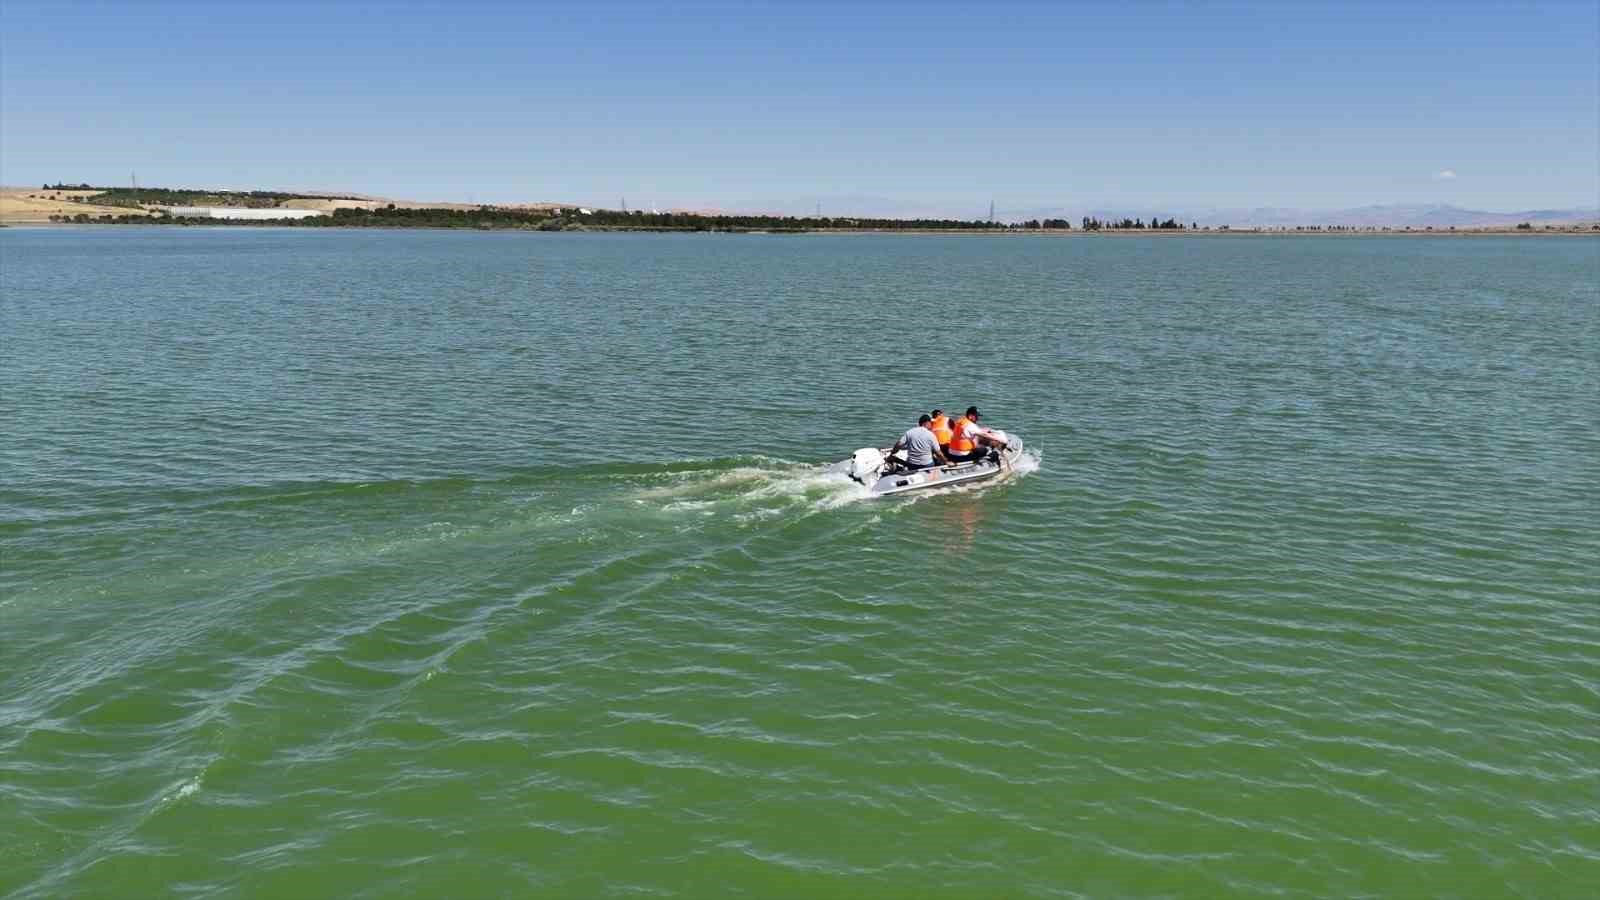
(866, 466)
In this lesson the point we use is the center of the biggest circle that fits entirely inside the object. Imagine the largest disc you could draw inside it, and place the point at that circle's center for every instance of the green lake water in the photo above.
(354, 564)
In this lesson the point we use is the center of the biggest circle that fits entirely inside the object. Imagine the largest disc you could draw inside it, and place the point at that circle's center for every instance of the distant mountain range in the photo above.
(1390, 215)
(1397, 215)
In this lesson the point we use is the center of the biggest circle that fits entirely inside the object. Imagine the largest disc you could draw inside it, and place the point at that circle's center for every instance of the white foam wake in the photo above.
(754, 491)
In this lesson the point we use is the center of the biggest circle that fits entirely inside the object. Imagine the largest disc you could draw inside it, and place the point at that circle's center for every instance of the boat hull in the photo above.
(944, 476)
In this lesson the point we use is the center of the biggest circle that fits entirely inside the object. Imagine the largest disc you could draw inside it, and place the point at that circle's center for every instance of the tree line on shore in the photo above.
(566, 219)
(1093, 224)
(570, 219)
(488, 218)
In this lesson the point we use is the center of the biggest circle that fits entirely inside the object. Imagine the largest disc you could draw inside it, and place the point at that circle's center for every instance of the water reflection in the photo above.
(960, 517)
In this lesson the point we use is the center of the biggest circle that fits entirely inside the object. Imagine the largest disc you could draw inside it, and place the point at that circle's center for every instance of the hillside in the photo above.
(28, 205)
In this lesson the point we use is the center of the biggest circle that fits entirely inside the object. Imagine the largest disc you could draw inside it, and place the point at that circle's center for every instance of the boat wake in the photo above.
(751, 491)
(762, 487)
(546, 507)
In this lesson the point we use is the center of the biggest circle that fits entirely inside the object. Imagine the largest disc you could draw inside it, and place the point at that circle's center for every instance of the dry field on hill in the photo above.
(33, 205)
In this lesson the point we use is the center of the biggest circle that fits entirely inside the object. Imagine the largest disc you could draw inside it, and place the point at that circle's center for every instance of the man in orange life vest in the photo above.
(970, 441)
(940, 426)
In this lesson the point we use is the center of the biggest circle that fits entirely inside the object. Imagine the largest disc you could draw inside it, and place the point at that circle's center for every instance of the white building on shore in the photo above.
(238, 212)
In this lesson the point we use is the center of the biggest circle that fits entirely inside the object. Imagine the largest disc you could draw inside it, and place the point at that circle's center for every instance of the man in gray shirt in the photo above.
(921, 447)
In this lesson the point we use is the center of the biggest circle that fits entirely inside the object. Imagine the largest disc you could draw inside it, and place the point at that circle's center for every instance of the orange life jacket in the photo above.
(961, 441)
(941, 430)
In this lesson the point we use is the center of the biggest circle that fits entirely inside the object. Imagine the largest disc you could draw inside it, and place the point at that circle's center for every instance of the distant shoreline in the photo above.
(84, 204)
(214, 225)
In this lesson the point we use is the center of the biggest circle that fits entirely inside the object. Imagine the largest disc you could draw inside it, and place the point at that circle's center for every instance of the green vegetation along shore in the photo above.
(561, 219)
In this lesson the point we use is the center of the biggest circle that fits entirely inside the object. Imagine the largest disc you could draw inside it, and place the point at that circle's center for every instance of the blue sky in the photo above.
(867, 108)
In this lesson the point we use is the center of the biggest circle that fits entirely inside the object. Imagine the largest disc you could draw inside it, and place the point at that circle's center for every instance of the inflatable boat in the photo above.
(885, 474)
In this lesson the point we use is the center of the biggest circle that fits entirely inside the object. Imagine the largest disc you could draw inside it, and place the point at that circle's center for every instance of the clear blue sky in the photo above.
(867, 107)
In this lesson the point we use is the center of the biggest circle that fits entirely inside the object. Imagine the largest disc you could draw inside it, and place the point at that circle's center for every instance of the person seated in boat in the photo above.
(972, 442)
(921, 447)
(940, 426)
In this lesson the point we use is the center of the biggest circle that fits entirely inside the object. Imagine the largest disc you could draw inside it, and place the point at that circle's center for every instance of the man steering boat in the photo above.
(969, 441)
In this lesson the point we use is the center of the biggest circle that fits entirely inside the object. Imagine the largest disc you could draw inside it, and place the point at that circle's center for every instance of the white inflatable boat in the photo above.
(884, 474)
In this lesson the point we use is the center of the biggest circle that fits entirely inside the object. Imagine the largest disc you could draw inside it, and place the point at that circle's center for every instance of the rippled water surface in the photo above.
(413, 563)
